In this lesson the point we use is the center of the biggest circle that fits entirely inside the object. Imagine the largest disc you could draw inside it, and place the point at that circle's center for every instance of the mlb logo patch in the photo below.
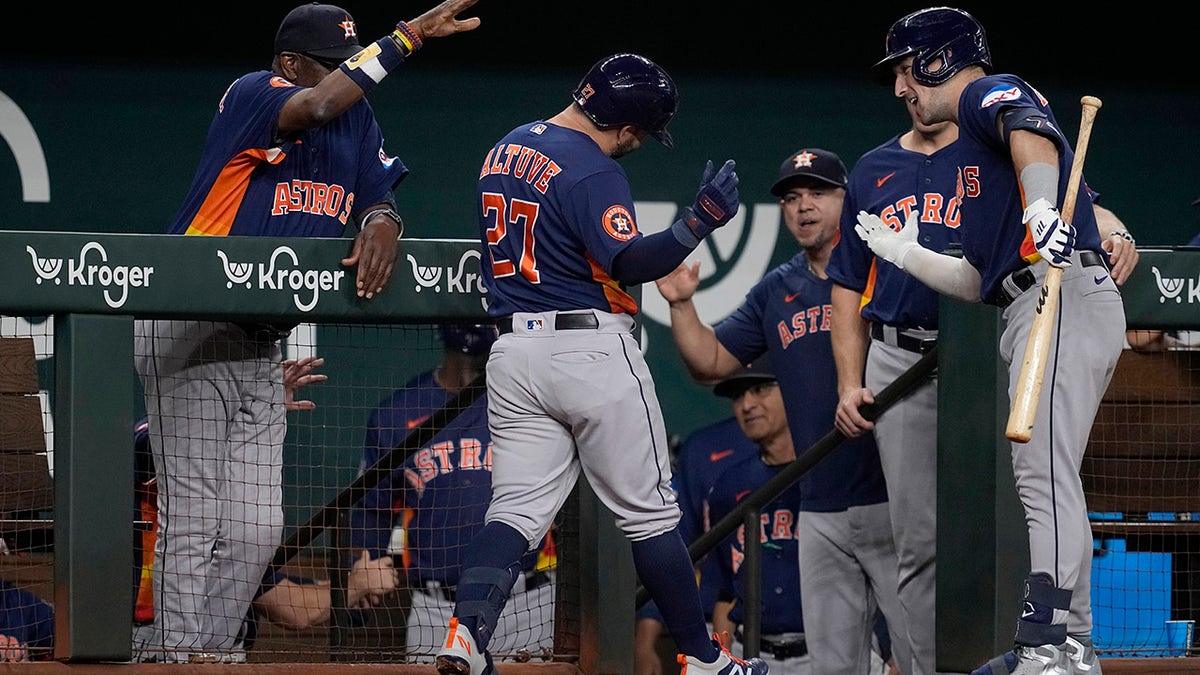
(534, 324)
(1000, 94)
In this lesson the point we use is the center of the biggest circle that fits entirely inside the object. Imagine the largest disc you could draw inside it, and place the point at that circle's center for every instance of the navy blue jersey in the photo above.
(439, 495)
(249, 182)
(994, 239)
(780, 572)
(703, 457)
(891, 182)
(25, 617)
(554, 212)
(788, 314)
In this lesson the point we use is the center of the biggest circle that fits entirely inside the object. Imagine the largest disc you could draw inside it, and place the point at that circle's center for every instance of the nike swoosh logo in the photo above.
(718, 456)
(793, 296)
(1100, 279)
(1027, 610)
(880, 181)
(738, 497)
(414, 423)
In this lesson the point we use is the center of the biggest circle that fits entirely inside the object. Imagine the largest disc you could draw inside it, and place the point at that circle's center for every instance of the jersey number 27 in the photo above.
(522, 215)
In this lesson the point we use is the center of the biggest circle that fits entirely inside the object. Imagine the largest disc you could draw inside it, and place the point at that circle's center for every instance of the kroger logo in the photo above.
(462, 277)
(282, 273)
(1172, 288)
(92, 273)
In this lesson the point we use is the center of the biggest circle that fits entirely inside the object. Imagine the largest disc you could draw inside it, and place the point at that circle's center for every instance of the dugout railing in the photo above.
(95, 285)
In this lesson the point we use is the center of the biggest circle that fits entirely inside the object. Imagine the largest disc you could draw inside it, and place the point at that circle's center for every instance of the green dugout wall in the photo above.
(104, 149)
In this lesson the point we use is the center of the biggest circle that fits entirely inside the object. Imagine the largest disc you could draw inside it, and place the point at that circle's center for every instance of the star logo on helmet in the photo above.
(586, 92)
(803, 159)
(347, 25)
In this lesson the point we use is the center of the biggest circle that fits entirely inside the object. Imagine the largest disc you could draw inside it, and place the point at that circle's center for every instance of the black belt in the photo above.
(562, 321)
(441, 588)
(903, 340)
(1023, 279)
(779, 647)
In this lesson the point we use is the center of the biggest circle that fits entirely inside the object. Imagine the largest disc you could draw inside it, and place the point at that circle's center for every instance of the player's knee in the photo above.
(646, 525)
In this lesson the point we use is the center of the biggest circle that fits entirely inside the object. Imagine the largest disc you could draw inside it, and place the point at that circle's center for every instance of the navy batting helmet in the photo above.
(936, 34)
(629, 89)
(472, 340)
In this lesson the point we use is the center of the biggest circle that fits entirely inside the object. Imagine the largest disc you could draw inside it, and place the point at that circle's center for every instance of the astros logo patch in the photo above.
(618, 223)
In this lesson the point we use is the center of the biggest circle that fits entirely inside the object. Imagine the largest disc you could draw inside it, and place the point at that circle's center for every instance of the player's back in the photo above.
(554, 211)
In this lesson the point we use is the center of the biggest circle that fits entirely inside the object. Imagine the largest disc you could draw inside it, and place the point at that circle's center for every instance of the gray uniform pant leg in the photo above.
(1087, 340)
(217, 424)
(907, 438)
(847, 568)
(564, 401)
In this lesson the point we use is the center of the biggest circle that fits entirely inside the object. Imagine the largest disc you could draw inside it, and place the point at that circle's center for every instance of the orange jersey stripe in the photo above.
(220, 207)
(618, 300)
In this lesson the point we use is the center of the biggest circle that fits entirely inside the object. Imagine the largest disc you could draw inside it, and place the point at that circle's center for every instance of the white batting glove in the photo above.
(886, 243)
(1054, 239)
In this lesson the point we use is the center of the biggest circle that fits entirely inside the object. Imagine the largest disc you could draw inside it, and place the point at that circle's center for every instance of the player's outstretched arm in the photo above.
(706, 358)
(945, 274)
(331, 93)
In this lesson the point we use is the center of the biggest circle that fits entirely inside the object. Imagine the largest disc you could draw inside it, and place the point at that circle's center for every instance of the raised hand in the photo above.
(1054, 239)
(441, 20)
(716, 202)
(680, 284)
(297, 374)
(884, 242)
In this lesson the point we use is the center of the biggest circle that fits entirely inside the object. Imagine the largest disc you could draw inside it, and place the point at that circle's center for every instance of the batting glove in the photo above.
(885, 242)
(716, 202)
(1054, 239)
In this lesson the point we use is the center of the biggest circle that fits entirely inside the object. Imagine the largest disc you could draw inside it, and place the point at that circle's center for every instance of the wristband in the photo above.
(368, 67)
(389, 212)
(406, 39)
(1124, 234)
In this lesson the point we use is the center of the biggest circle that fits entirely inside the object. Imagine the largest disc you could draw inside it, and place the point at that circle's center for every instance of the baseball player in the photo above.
(759, 410)
(427, 511)
(1014, 164)
(880, 305)
(568, 387)
(292, 151)
(847, 555)
(289, 601)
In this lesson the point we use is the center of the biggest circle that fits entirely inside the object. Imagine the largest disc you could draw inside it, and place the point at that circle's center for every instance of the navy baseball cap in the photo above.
(320, 30)
(736, 384)
(813, 163)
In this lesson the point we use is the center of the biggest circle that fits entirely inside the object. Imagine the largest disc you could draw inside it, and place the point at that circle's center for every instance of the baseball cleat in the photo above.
(1024, 660)
(460, 655)
(1083, 655)
(726, 663)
